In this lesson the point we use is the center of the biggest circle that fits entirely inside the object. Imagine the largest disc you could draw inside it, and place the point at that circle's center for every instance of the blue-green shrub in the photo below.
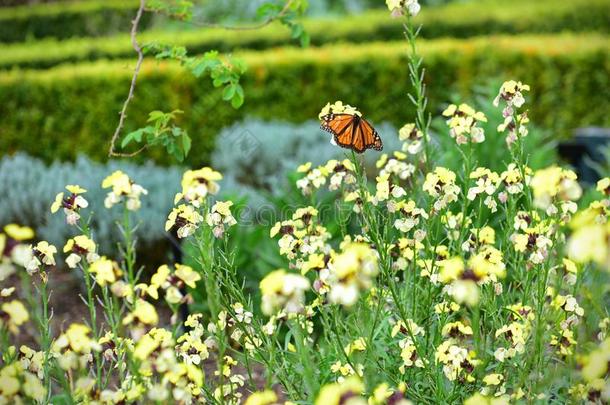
(29, 187)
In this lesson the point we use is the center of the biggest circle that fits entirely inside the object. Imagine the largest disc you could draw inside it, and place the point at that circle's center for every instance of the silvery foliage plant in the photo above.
(29, 186)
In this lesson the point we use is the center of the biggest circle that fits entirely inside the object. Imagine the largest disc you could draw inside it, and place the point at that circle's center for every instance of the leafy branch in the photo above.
(224, 71)
(162, 132)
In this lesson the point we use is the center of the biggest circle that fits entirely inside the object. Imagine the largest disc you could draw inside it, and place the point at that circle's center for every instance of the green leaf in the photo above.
(268, 10)
(239, 90)
(305, 39)
(134, 136)
(228, 92)
(297, 31)
(176, 131)
(155, 116)
(237, 100)
(128, 138)
(186, 143)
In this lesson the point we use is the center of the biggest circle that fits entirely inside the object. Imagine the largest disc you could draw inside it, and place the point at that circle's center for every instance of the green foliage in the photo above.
(178, 9)
(39, 114)
(162, 132)
(272, 11)
(68, 19)
(458, 20)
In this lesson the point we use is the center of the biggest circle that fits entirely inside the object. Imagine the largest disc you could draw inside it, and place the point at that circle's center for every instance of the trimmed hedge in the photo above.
(53, 114)
(66, 20)
(455, 20)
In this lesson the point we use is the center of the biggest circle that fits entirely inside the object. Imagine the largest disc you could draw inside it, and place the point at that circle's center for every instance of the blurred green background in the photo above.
(65, 69)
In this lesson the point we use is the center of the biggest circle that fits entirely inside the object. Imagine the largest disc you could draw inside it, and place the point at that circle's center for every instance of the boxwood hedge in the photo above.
(458, 20)
(52, 114)
(68, 19)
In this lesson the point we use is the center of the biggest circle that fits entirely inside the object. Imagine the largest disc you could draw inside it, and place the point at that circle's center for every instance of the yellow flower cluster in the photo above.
(351, 272)
(283, 291)
(462, 123)
(122, 187)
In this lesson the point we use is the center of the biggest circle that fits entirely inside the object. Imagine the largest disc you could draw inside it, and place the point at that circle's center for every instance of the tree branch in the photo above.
(260, 25)
(136, 46)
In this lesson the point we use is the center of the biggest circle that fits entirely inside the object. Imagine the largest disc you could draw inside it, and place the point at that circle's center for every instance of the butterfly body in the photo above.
(351, 131)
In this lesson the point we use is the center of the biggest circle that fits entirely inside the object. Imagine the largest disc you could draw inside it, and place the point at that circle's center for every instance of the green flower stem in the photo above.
(45, 331)
(92, 318)
(305, 356)
(419, 99)
(129, 256)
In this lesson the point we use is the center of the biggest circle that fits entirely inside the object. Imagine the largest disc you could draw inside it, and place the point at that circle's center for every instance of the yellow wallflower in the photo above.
(267, 397)
(71, 204)
(603, 186)
(145, 346)
(197, 184)
(455, 329)
(462, 121)
(105, 271)
(451, 269)
(554, 184)
(143, 312)
(185, 219)
(591, 235)
(412, 140)
(331, 394)
(381, 394)
(19, 233)
(80, 243)
(78, 337)
(119, 182)
(282, 290)
(358, 345)
(17, 314)
(338, 108)
(596, 364)
(122, 187)
(478, 399)
(187, 274)
(351, 271)
(493, 379)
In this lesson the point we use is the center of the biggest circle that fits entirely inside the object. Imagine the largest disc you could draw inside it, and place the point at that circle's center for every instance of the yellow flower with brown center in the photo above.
(198, 184)
(71, 204)
(19, 233)
(332, 394)
(185, 219)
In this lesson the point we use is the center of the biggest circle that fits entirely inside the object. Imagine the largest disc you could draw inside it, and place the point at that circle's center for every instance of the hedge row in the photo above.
(456, 20)
(69, 19)
(52, 114)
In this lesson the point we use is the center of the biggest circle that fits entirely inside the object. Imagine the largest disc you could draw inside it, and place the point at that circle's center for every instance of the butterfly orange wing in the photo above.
(352, 132)
(341, 127)
(371, 137)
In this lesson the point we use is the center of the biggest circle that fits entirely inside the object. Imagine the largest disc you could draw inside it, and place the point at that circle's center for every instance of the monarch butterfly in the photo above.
(350, 130)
